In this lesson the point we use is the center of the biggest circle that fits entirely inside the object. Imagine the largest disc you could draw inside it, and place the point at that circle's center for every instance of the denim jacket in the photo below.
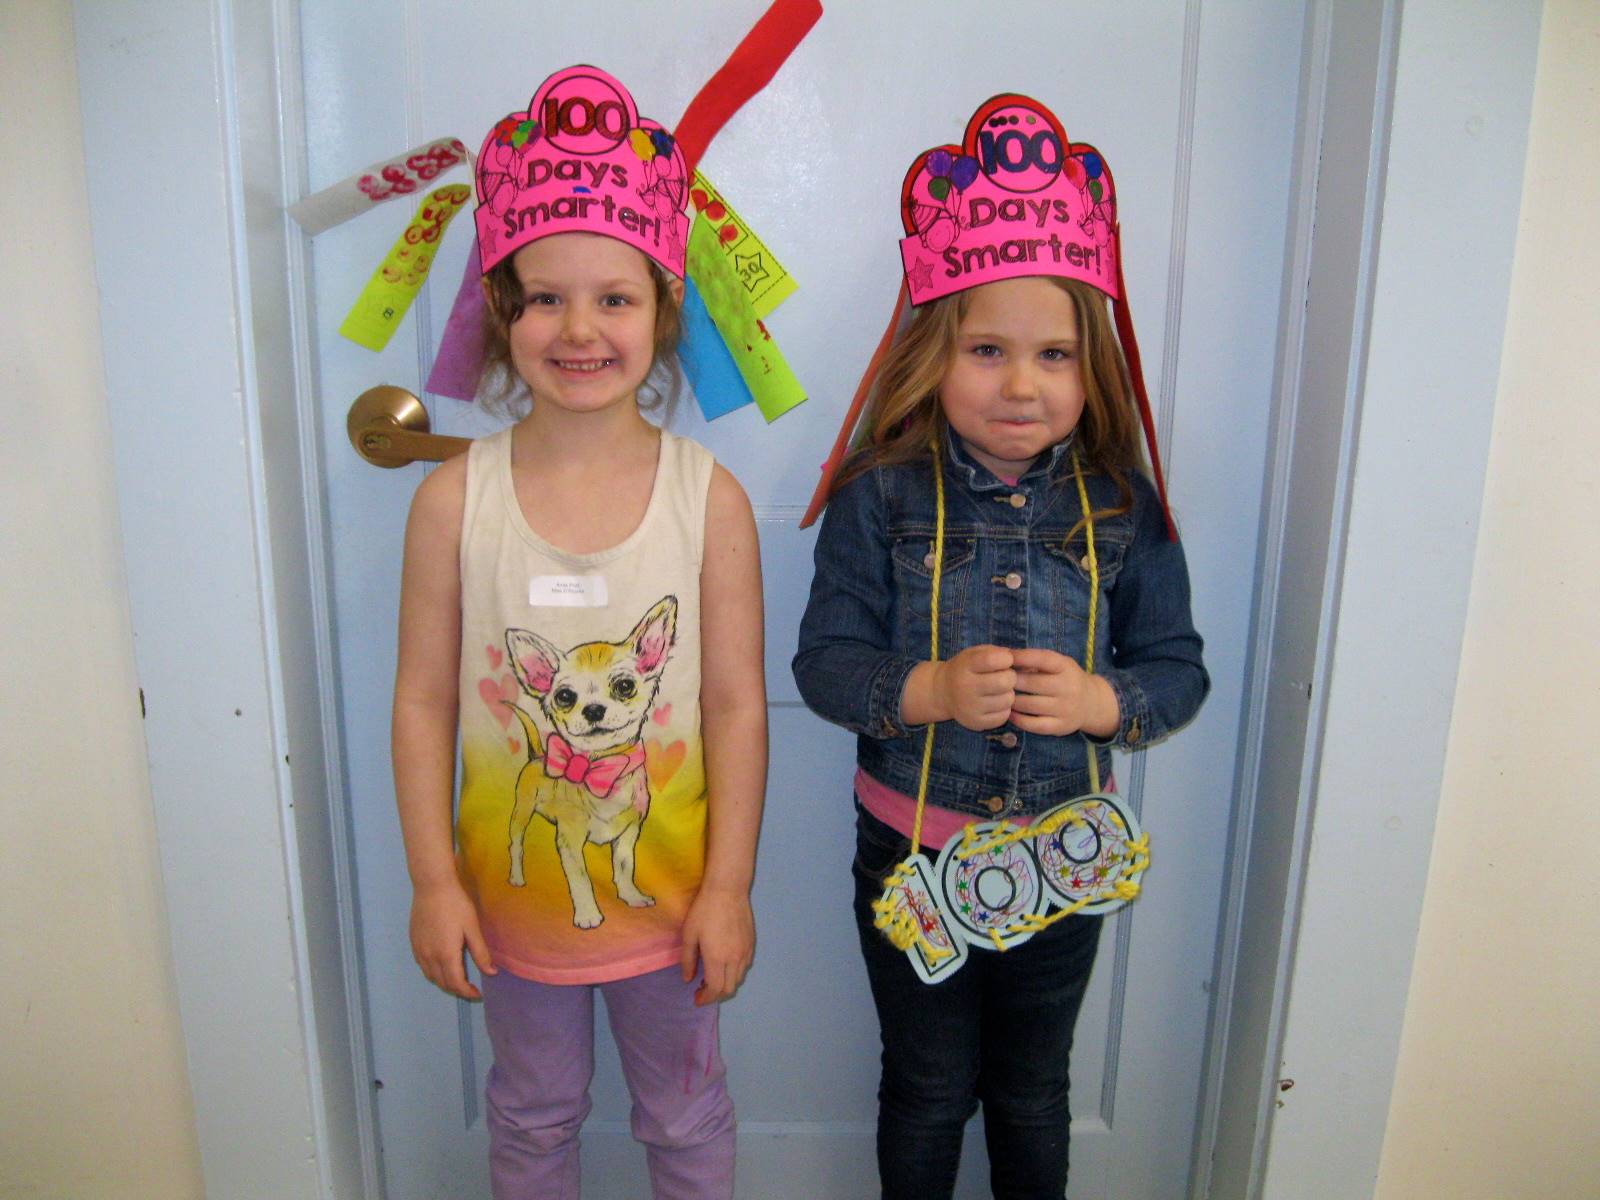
(1010, 579)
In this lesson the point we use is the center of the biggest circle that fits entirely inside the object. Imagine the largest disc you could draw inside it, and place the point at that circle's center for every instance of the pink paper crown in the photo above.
(1016, 198)
(582, 160)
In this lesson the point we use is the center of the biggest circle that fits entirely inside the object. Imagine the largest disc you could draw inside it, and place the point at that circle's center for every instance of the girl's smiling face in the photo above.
(1013, 387)
(585, 339)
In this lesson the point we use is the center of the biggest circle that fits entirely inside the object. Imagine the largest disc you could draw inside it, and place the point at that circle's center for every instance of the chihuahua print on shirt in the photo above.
(587, 778)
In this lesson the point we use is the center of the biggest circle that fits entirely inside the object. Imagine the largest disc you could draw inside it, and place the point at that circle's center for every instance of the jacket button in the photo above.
(1085, 563)
(995, 804)
(1018, 499)
(1013, 580)
(927, 560)
(1008, 740)
(1133, 731)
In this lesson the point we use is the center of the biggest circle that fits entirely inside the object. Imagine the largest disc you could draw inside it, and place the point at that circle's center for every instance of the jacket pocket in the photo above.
(1071, 562)
(913, 577)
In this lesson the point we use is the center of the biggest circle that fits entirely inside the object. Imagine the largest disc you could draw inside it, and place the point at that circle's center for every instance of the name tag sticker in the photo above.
(567, 591)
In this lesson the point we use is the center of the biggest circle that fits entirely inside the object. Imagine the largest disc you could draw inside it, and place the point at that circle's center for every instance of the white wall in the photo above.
(1422, 417)
(1496, 1095)
(93, 1090)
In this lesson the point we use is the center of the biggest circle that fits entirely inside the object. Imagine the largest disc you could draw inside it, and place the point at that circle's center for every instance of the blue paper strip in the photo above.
(716, 382)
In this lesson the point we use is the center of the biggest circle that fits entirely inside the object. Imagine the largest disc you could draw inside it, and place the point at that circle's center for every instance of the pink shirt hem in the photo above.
(899, 811)
(609, 972)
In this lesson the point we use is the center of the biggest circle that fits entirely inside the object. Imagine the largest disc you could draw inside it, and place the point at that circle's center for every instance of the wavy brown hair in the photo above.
(903, 417)
(503, 391)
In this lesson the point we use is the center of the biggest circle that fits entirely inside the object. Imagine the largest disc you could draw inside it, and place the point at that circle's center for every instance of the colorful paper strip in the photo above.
(403, 175)
(716, 381)
(750, 67)
(383, 303)
(760, 362)
(459, 365)
(766, 279)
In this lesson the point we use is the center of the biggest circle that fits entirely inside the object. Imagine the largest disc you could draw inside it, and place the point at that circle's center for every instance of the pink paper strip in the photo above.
(459, 365)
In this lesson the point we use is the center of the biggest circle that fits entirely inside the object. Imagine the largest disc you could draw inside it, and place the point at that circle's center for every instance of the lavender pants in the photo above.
(538, 1093)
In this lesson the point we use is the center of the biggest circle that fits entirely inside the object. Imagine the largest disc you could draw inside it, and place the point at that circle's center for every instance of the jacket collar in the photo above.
(979, 478)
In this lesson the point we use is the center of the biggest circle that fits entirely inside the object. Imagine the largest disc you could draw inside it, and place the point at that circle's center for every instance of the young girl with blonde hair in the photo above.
(999, 600)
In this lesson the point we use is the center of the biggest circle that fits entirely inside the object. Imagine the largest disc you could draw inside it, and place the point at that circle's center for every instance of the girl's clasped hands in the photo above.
(1038, 691)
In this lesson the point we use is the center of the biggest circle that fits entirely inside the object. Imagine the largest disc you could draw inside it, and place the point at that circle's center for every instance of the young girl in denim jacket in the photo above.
(1010, 373)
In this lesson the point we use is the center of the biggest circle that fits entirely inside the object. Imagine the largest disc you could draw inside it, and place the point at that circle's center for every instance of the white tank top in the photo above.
(583, 798)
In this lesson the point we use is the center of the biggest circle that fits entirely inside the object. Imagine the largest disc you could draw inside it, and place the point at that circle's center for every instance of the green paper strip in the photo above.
(383, 303)
(767, 280)
(760, 362)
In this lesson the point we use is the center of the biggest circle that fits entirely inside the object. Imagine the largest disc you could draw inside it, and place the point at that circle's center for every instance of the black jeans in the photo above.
(998, 1031)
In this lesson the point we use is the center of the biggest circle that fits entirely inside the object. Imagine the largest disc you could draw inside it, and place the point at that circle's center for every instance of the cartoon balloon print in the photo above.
(664, 188)
(946, 171)
(1087, 173)
(948, 175)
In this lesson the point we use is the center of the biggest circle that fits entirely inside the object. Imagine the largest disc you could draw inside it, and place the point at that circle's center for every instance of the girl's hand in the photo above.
(443, 920)
(976, 689)
(1056, 696)
(720, 934)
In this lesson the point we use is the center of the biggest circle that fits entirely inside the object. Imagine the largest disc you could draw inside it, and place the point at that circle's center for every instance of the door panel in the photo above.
(1195, 112)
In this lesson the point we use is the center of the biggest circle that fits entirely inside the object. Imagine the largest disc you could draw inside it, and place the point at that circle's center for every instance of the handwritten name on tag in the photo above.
(567, 591)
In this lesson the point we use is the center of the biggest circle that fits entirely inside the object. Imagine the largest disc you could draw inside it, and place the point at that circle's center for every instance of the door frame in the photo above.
(265, 948)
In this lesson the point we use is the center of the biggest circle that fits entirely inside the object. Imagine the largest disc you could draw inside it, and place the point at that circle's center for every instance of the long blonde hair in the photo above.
(903, 418)
(504, 393)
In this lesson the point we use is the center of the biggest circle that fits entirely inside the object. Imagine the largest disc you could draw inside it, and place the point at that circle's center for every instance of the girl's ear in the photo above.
(675, 289)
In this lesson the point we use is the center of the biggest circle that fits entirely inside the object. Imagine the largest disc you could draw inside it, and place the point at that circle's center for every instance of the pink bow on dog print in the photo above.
(599, 775)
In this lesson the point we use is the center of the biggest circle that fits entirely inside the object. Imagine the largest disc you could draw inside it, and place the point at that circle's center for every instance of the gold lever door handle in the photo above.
(388, 426)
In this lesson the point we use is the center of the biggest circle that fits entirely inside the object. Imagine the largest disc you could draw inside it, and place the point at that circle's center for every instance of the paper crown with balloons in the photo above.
(582, 160)
(1015, 198)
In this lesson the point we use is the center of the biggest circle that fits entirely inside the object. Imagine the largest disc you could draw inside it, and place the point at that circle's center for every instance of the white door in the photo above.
(1194, 107)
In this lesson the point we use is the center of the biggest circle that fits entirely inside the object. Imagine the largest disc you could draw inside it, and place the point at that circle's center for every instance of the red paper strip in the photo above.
(749, 68)
(1123, 316)
(841, 444)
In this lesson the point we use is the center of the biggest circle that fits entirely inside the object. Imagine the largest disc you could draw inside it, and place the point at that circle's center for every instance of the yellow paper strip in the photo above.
(383, 303)
(766, 279)
(757, 356)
